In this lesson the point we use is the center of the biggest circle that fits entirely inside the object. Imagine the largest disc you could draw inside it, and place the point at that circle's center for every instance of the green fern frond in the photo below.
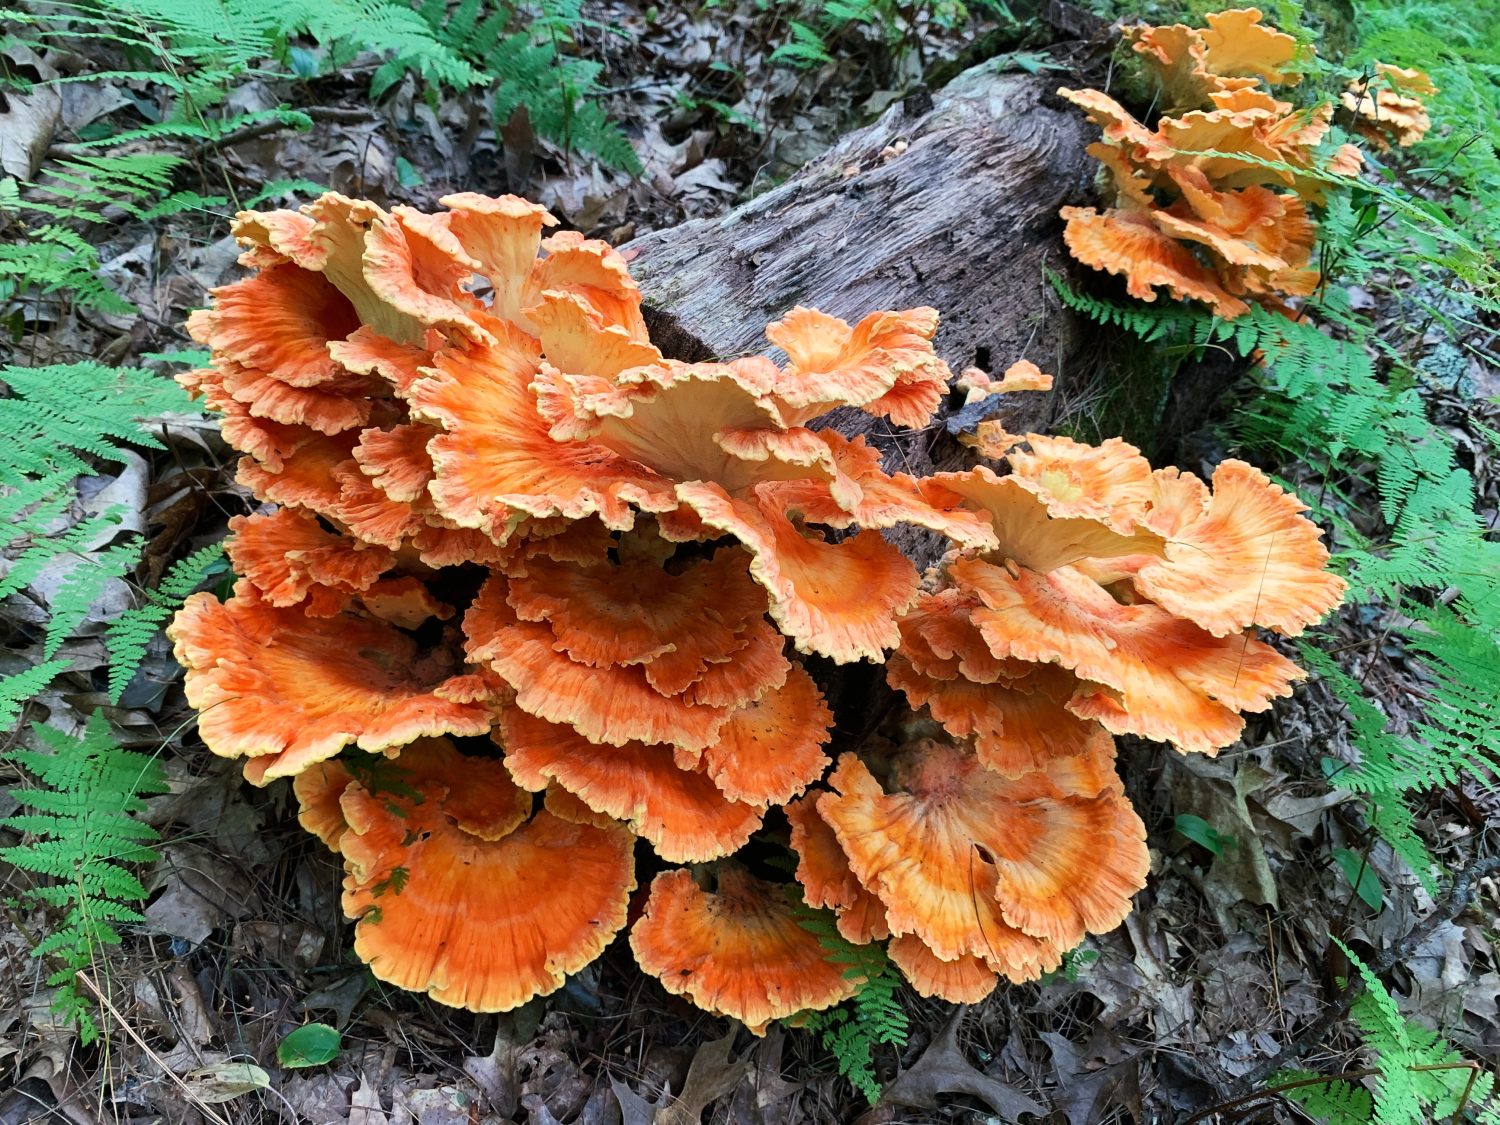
(17, 689)
(1330, 1100)
(1418, 1076)
(873, 1017)
(130, 634)
(59, 421)
(83, 827)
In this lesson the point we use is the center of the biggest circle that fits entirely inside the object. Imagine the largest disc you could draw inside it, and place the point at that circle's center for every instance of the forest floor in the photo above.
(1226, 953)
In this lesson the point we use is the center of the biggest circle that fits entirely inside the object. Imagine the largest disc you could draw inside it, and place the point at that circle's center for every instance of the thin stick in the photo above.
(202, 1106)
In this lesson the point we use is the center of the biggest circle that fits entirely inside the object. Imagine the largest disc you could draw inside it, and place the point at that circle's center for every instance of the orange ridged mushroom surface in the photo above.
(285, 690)
(473, 922)
(682, 813)
(736, 951)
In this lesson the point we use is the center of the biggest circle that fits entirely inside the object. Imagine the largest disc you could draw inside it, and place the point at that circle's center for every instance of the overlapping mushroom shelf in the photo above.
(525, 611)
(1212, 204)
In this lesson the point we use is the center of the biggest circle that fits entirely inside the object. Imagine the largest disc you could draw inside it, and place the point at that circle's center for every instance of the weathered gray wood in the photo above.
(961, 218)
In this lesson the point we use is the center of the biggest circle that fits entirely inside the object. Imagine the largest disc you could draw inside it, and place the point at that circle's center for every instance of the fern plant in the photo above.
(199, 53)
(1417, 1076)
(61, 421)
(873, 1017)
(528, 57)
(130, 634)
(82, 833)
(52, 256)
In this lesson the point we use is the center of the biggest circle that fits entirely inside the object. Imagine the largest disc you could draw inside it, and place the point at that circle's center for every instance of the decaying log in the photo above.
(948, 200)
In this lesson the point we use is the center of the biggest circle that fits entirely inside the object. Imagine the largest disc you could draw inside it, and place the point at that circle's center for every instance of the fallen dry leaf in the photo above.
(943, 1071)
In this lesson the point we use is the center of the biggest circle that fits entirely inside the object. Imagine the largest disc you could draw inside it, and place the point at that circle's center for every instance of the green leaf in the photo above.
(1199, 831)
(1365, 882)
(406, 175)
(312, 1044)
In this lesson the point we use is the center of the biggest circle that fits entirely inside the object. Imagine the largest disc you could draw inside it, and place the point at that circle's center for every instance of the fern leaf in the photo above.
(1332, 1101)
(130, 634)
(15, 690)
(82, 828)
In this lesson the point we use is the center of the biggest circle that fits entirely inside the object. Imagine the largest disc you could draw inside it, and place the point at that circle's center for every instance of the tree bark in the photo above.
(949, 200)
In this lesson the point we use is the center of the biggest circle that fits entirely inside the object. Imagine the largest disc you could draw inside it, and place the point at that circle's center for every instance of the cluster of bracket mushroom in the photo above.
(1212, 204)
(526, 602)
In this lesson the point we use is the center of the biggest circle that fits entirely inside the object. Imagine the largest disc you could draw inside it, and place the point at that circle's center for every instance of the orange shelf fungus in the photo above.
(285, 690)
(480, 921)
(682, 813)
(962, 980)
(738, 951)
(1387, 108)
(1211, 204)
(525, 599)
(973, 863)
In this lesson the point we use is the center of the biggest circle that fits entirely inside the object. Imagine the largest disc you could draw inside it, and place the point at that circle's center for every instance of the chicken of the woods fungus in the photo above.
(1212, 205)
(525, 607)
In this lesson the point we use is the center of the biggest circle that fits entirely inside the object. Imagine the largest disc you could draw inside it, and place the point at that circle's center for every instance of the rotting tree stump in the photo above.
(948, 200)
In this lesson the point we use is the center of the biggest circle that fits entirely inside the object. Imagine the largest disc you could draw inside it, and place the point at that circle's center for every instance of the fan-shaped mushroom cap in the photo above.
(1110, 482)
(279, 322)
(1118, 125)
(495, 460)
(755, 666)
(344, 402)
(683, 814)
(287, 690)
(318, 789)
(340, 238)
(305, 477)
(610, 703)
(1023, 375)
(737, 952)
(285, 554)
(1160, 677)
(883, 499)
(1130, 245)
(823, 870)
(396, 460)
(503, 234)
(1025, 528)
(704, 422)
(479, 798)
(940, 641)
(771, 748)
(415, 265)
(960, 855)
(836, 599)
(940, 891)
(1246, 556)
(635, 612)
(1017, 725)
(593, 270)
(884, 365)
(1238, 44)
(1347, 161)
(1229, 133)
(1385, 116)
(964, 980)
(269, 443)
(483, 924)
(584, 356)
(367, 352)
(274, 237)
